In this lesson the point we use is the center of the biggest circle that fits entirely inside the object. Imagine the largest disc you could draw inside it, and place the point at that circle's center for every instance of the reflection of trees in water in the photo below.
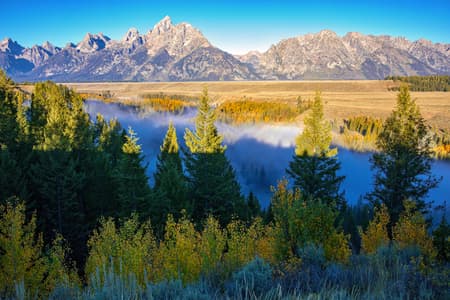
(254, 174)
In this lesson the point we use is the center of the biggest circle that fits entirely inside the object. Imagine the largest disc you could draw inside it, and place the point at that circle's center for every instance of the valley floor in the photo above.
(344, 98)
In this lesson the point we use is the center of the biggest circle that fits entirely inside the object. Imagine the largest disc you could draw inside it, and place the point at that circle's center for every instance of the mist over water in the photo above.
(259, 154)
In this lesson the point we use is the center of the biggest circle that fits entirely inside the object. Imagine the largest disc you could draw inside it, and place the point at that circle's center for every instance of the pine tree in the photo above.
(14, 151)
(130, 176)
(314, 167)
(58, 184)
(403, 165)
(170, 190)
(213, 185)
(254, 207)
(100, 193)
(441, 240)
(205, 138)
(9, 127)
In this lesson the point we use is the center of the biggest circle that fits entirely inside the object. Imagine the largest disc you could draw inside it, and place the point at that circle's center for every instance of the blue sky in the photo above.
(234, 26)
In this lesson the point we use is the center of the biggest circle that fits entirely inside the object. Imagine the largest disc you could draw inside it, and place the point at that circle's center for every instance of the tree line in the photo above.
(249, 111)
(432, 83)
(76, 204)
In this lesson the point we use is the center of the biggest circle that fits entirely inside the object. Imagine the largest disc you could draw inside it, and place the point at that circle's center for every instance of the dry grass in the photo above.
(344, 98)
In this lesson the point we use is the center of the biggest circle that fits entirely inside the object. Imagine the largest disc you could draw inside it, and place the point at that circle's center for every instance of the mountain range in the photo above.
(180, 52)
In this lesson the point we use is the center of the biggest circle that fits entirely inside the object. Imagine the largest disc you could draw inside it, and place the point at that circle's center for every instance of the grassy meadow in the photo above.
(343, 98)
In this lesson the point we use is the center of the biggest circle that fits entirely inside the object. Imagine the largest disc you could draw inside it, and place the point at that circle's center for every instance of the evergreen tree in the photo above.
(170, 190)
(213, 185)
(14, 152)
(12, 179)
(403, 165)
(441, 240)
(100, 193)
(9, 127)
(205, 138)
(254, 207)
(314, 166)
(58, 184)
(130, 175)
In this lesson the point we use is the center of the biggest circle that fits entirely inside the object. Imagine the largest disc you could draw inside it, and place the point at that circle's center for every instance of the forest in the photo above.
(360, 133)
(433, 83)
(79, 220)
(250, 111)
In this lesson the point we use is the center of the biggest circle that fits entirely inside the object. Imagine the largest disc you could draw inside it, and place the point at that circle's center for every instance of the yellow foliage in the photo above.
(178, 255)
(411, 230)
(442, 151)
(245, 243)
(240, 247)
(128, 249)
(336, 247)
(160, 103)
(244, 111)
(299, 222)
(264, 240)
(21, 259)
(212, 245)
(376, 234)
(58, 272)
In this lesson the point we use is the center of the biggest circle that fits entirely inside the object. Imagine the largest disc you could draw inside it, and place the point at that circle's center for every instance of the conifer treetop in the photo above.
(315, 140)
(205, 138)
(170, 143)
(131, 146)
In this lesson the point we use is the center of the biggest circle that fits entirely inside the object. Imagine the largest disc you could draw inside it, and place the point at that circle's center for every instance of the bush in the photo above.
(255, 280)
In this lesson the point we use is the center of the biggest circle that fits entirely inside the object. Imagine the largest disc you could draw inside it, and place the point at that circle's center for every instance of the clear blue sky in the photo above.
(229, 25)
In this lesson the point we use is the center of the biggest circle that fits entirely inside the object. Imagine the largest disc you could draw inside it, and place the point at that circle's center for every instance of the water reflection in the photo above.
(260, 154)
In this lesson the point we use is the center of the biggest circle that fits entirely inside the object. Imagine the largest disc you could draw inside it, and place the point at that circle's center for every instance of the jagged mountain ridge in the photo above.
(180, 52)
(355, 56)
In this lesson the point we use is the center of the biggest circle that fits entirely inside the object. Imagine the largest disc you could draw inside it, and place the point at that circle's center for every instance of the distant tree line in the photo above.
(361, 133)
(432, 83)
(251, 111)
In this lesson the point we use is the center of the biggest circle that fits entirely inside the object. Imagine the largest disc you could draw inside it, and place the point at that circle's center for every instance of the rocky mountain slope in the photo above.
(355, 56)
(180, 52)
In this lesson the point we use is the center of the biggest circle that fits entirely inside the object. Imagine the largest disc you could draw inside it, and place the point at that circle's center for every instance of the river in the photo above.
(259, 154)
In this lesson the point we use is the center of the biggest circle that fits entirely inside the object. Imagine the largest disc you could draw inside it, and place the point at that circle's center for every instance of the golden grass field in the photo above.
(343, 98)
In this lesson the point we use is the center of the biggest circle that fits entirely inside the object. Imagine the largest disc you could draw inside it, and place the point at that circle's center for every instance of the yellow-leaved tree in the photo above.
(300, 222)
(21, 260)
(411, 230)
(244, 243)
(376, 234)
(211, 247)
(178, 254)
(126, 250)
(23, 263)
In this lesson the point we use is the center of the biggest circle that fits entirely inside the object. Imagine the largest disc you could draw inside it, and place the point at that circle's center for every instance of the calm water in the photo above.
(260, 154)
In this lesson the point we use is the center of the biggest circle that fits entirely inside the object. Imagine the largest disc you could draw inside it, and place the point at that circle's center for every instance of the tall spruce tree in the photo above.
(403, 165)
(57, 186)
(12, 132)
(61, 134)
(9, 127)
(100, 193)
(314, 166)
(170, 190)
(213, 185)
(130, 175)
